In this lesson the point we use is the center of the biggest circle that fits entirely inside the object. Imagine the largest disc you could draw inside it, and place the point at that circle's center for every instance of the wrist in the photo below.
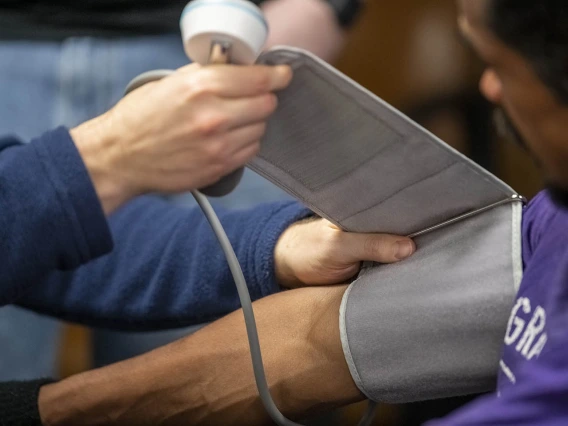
(97, 144)
(82, 399)
(284, 273)
(145, 390)
(289, 243)
(207, 378)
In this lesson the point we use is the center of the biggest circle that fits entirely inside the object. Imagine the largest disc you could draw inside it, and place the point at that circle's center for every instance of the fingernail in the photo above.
(284, 72)
(404, 249)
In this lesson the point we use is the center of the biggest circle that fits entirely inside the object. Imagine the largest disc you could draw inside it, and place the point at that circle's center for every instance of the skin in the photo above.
(510, 82)
(216, 124)
(149, 143)
(185, 383)
(181, 133)
(202, 380)
(316, 252)
(298, 329)
(308, 24)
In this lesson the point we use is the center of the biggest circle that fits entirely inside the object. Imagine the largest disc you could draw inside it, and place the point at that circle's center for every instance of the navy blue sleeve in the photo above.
(46, 202)
(167, 269)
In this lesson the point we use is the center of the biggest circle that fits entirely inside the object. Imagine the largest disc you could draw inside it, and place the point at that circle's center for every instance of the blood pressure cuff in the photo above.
(430, 326)
(433, 326)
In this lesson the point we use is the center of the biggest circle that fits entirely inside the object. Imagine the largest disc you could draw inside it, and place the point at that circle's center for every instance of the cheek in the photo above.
(540, 121)
(522, 116)
(538, 126)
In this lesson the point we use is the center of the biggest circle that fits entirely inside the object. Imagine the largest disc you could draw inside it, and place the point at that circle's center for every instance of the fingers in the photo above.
(243, 137)
(224, 153)
(382, 248)
(237, 81)
(244, 155)
(244, 111)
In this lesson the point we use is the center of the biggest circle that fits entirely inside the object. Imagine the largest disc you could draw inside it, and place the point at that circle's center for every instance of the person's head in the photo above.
(524, 44)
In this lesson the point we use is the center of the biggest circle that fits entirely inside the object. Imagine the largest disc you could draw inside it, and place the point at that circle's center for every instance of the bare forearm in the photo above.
(207, 378)
(308, 24)
(302, 353)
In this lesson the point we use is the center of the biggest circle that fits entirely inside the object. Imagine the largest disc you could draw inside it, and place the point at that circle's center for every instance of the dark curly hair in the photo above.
(538, 30)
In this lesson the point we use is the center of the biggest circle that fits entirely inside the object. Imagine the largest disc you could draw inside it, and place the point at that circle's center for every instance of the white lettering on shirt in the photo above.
(519, 324)
(505, 368)
(530, 337)
(535, 326)
(538, 347)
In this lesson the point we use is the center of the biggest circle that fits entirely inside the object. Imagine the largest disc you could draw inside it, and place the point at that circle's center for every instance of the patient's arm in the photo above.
(207, 378)
(429, 328)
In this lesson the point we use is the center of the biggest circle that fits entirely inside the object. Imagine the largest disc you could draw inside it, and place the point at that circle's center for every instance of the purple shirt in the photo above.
(533, 371)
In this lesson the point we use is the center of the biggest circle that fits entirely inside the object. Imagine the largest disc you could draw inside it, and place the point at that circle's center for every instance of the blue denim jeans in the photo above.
(46, 84)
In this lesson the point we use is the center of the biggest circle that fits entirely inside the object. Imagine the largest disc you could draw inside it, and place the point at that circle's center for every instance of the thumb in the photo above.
(382, 248)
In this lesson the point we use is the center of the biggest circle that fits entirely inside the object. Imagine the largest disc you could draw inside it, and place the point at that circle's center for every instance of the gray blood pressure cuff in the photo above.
(431, 326)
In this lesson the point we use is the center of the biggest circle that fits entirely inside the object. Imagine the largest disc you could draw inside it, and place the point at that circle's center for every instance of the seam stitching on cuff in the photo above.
(345, 342)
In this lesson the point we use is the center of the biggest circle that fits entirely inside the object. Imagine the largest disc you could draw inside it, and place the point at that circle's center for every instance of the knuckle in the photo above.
(216, 152)
(376, 247)
(200, 85)
(332, 240)
(269, 103)
(262, 81)
(210, 123)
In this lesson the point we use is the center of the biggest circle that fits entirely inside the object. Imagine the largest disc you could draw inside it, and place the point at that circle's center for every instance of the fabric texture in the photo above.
(431, 327)
(357, 161)
(167, 269)
(533, 370)
(176, 275)
(19, 403)
(51, 217)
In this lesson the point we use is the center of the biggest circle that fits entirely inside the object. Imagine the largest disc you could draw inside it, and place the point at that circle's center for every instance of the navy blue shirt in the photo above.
(150, 265)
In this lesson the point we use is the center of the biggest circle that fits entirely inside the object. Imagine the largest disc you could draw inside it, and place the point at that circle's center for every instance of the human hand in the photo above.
(183, 132)
(316, 252)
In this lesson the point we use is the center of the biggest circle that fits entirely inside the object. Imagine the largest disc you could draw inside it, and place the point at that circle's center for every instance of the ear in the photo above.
(491, 87)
